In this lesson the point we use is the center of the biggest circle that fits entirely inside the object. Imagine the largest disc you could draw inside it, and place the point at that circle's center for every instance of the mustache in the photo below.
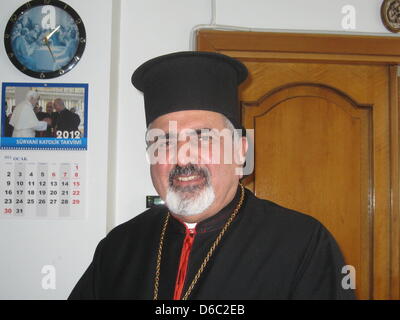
(188, 170)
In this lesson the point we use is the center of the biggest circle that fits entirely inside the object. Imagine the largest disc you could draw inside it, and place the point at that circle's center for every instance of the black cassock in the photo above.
(268, 252)
(67, 120)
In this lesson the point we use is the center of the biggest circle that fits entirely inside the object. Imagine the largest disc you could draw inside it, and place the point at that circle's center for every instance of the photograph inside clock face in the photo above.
(45, 39)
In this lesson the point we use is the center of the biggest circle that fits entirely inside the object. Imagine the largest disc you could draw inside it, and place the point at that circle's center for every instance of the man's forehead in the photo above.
(189, 119)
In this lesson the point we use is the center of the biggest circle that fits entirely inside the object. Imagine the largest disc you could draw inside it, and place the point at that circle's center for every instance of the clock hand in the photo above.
(48, 46)
(51, 33)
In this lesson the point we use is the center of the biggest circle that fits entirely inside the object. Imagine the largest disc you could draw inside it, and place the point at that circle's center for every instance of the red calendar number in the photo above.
(76, 201)
(7, 211)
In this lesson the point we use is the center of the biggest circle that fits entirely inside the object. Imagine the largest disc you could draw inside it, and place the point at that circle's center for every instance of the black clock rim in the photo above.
(52, 74)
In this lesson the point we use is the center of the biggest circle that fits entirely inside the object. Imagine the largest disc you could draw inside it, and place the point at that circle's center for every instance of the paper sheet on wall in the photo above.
(39, 185)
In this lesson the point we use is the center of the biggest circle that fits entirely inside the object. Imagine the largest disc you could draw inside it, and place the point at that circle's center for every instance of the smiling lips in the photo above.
(192, 179)
(193, 182)
(188, 178)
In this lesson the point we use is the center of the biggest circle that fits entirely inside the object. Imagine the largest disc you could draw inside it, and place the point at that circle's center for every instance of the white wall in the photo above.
(315, 15)
(27, 245)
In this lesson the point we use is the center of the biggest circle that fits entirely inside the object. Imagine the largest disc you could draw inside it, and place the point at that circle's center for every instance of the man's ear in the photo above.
(241, 149)
(245, 146)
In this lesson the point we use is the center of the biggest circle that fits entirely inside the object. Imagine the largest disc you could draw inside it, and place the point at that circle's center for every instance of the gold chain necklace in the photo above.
(206, 259)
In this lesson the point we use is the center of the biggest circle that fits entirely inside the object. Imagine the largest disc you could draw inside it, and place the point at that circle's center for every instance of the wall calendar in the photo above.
(43, 151)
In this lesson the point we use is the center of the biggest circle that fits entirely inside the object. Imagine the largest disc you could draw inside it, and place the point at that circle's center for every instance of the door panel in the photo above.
(313, 155)
(321, 147)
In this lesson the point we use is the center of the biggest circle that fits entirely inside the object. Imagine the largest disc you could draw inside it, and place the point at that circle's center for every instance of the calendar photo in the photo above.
(44, 116)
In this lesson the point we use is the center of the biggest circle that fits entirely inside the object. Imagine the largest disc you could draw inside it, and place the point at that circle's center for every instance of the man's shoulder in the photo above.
(139, 226)
(268, 214)
(284, 228)
(66, 112)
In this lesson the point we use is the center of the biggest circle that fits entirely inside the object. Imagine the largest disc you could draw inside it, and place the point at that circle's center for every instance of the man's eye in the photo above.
(163, 144)
(206, 137)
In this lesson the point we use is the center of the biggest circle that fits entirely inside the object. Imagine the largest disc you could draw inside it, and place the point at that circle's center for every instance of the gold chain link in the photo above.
(157, 277)
(206, 259)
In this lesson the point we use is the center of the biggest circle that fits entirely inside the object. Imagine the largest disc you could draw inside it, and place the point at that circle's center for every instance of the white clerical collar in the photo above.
(191, 225)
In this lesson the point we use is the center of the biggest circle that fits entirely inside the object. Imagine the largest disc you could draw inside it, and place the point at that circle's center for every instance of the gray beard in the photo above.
(192, 204)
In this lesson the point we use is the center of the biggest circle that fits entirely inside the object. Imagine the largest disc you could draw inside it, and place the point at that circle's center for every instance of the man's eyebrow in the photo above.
(201, 130)
(198, 131)
(165, 136)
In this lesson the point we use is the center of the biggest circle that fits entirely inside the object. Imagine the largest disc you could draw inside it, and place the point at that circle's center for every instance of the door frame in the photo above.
(334, 48)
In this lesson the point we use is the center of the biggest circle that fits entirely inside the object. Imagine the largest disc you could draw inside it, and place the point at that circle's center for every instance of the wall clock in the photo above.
(45, 38)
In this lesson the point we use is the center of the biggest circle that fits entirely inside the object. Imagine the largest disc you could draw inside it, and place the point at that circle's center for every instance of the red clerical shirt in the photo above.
(183, 262)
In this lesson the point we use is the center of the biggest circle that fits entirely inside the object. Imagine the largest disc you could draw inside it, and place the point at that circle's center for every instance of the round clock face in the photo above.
(45, 38)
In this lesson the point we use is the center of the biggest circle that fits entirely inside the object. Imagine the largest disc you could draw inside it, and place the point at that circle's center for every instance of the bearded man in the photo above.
(214, 239)
(24, 120)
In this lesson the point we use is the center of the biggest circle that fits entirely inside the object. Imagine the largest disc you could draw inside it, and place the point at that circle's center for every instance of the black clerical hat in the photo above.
(191, 80)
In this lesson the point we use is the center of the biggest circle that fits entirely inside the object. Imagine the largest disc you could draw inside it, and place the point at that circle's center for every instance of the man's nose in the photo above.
(186, 153)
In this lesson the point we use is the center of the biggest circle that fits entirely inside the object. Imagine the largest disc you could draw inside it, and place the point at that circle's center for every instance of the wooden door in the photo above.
(326, 144)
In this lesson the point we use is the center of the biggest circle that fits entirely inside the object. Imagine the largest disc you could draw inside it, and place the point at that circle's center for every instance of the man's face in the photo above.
(58, 106)
(34, 102)
(49, 107)
(189, 173)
